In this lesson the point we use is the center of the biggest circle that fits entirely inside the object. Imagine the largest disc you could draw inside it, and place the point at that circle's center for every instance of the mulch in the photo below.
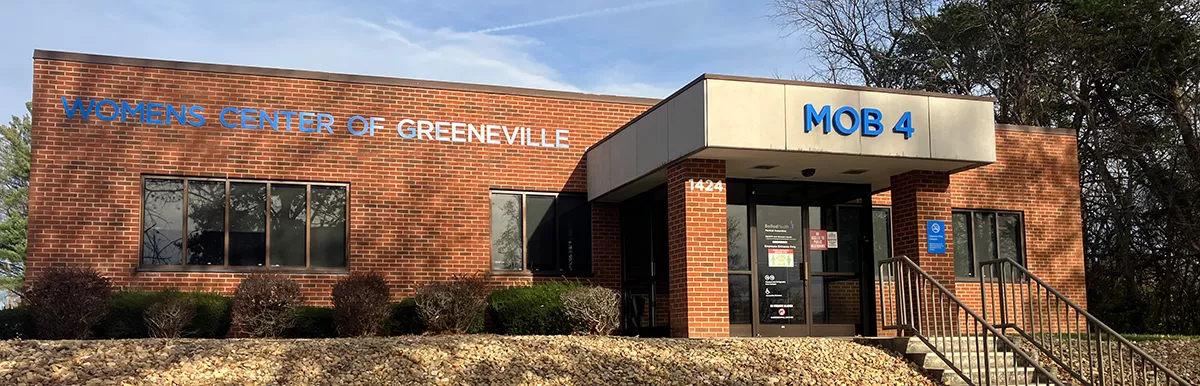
(464, 359)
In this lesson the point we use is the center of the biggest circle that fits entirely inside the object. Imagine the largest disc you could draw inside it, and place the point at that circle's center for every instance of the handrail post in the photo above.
(998, 269)
(1099, 358)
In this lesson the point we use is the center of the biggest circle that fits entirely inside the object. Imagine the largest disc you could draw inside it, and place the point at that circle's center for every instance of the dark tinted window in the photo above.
(541, 232)
(574, 233)
(162, 222)
(206, 223)
(737, 226)
(986, 235)
(247, 224)
(289, 224)
(963, 266)
(328, 206)
(214, 222)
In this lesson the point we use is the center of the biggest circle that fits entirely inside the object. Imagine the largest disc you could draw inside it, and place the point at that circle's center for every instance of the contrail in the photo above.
(556, 19)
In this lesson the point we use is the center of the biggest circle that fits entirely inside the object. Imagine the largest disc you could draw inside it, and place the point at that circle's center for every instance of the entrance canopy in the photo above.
(786, 130)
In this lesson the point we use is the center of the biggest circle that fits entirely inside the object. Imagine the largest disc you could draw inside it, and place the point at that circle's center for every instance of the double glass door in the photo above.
(795, 261)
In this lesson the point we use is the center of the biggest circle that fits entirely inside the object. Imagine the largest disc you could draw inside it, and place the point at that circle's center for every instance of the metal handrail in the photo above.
(931, 312)
(1043, 325)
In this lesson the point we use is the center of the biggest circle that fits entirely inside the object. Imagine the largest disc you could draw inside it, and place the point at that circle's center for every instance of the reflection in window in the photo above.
(206, 223)
(574, 233)
(986, 235)
(963, 265)
(737, 226)
(288, 224)
(507, 248)
(247, 224)
(741, 310)
(328, 247)
(162, 222)
(213, 222)
(881, 233)
(541, 232)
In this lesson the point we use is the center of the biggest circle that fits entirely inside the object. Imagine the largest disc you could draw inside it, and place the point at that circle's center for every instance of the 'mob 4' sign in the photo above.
(868, 120)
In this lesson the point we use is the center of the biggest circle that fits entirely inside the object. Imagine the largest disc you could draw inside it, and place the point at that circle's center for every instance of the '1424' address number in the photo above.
(706, 185)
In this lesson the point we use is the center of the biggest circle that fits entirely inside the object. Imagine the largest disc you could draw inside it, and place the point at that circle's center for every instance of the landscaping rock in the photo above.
(469, 359)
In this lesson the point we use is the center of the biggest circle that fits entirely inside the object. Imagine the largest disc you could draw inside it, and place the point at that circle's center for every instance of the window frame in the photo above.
(525, 271)
(225, 267)
(995, 239)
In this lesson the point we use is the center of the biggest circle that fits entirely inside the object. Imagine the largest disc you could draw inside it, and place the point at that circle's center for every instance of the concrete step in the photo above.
(998, 376)
(965, 359)
(947, 344)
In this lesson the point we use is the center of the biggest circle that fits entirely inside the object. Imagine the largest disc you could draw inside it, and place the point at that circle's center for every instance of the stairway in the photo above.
(1022, 326)
(1006, 368)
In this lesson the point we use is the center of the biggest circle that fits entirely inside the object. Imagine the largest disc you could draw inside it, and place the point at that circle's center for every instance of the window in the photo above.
(540, 232)
(986, 235)
(205, 222)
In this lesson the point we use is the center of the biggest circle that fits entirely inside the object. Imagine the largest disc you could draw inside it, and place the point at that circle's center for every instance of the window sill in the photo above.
(224, 269)
(496, 273)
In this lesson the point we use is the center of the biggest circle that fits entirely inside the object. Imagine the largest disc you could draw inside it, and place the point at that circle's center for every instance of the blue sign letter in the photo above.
(811, 117)
(837, 120)
(871, 127)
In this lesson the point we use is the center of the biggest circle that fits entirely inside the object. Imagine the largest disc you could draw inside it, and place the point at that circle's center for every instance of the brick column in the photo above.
(606, 245)
(697, 250)
(918, 196)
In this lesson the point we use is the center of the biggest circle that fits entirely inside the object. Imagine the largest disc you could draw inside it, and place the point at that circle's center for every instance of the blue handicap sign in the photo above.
(935, 236)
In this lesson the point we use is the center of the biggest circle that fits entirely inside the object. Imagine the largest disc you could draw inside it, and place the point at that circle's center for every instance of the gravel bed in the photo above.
(470, 359)
(1181, 356)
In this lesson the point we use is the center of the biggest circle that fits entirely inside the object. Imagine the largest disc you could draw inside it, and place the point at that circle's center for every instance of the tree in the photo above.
(14, 197)
(1124, 74)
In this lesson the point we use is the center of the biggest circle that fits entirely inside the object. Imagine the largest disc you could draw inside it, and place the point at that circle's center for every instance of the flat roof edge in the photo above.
(334, 77)
(1037, 129)
(846, 87)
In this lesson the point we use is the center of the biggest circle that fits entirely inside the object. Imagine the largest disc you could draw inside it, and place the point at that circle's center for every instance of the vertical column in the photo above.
(606, 245)
(918, 196)
(697, 249)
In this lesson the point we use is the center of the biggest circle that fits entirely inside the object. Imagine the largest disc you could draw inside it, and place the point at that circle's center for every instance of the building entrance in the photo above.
(796, 258)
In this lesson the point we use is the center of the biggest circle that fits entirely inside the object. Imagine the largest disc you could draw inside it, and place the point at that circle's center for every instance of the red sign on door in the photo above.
(817, 240)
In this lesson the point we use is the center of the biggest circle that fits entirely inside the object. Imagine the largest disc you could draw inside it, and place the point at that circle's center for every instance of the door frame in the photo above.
(866, 257)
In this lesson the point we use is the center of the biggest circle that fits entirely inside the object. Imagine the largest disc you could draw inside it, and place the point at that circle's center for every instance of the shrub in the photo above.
(405, 320)
(534, 310)
(169, 316)
(68, 301)
(312, 322)
(455, 306)
(265, 305)
(360, 304)
(126, 318)
(16, 323)
(593, 310)
(212, 315)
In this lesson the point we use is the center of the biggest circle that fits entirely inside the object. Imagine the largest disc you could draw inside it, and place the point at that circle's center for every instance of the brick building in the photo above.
(736, 206)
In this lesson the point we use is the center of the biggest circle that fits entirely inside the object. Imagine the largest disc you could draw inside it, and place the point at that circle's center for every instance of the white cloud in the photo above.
(295, 35)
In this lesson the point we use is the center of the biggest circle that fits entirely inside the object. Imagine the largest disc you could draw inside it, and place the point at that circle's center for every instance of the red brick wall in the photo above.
(1036, 173)
(419, 209)
(696, 242)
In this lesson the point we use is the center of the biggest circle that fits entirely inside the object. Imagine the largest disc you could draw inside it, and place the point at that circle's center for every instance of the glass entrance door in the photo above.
(782, 271)
(796, 253)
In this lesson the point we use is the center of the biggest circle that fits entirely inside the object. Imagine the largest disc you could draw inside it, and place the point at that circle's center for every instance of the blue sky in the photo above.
(631, 47)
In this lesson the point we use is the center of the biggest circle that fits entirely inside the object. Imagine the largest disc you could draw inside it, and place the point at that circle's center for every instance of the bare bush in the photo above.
(265, 305)
(594, 310)
(361, 304)
(455, 306)
(68, 301)
(167, 317)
